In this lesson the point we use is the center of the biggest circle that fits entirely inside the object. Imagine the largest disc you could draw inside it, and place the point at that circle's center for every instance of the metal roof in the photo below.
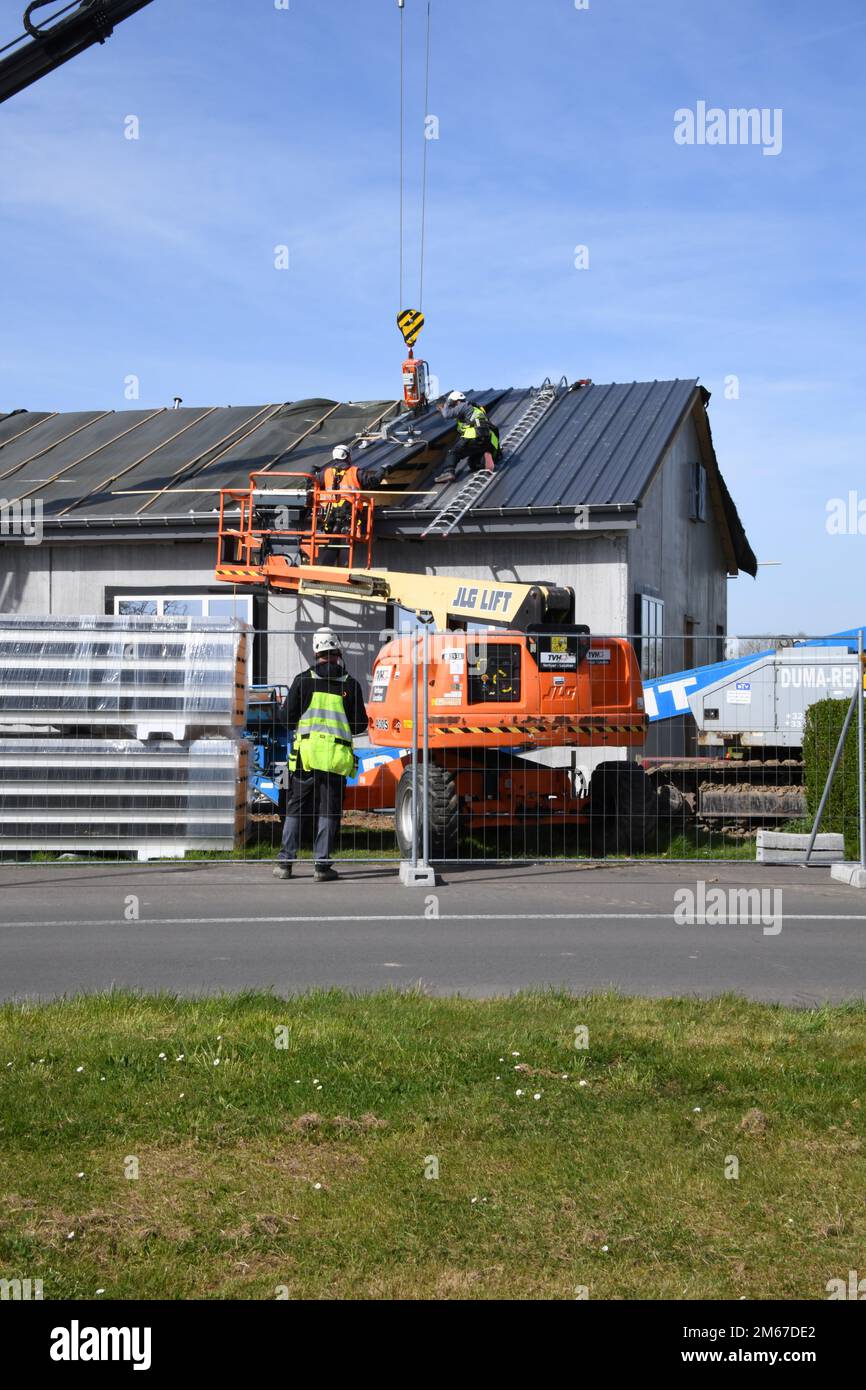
(597, 446)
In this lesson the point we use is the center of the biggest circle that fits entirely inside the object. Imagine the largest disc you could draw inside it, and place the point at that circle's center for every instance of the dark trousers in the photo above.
(314, 803)
(472, 450)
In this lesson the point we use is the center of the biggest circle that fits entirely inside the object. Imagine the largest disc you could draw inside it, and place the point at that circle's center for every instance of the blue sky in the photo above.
(261, 126)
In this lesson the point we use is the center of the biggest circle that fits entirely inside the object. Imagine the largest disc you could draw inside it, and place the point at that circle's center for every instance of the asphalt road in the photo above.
(211, 927)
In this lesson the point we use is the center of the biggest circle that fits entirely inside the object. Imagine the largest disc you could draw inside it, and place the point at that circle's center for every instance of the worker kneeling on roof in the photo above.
(340, 481)
(477, 437)
(324, 709)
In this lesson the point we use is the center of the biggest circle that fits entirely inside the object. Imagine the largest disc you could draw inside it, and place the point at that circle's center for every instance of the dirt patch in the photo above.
(313, 1122)
(754, 1122)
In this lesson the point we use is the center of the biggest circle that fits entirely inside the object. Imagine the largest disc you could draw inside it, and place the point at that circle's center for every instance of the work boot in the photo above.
(283, 871)
(445, 477)
(326, 874)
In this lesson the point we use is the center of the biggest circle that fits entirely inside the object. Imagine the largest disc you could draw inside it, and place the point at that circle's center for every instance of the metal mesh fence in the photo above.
(142, 738)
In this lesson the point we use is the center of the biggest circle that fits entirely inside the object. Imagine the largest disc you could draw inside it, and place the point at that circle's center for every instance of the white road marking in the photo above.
(443, 917)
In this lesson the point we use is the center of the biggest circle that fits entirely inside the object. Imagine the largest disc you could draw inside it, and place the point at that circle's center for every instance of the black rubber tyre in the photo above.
(444, 813)
(624, 810)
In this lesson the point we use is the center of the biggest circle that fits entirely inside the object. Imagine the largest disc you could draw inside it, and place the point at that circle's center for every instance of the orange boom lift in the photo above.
(532, 680)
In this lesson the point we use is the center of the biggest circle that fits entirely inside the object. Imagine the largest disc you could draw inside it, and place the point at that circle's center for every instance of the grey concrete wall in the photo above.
(66, 579)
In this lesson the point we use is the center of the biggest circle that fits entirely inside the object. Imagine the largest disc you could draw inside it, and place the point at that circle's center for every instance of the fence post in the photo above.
(856, 703)
(412, 873)
(861, 752)
(414, 646)
(425, 756)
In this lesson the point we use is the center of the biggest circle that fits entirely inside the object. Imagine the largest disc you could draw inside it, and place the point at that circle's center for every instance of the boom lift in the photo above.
(531, 680)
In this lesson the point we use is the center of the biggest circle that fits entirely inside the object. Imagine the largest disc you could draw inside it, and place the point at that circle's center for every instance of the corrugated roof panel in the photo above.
(597, 445)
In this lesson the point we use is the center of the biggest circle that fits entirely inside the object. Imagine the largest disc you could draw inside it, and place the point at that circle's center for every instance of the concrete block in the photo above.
(417, 875)
(852, 874)
(778, 847)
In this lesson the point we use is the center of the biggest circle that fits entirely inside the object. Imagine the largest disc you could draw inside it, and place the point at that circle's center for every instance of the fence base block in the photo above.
(417, 875)
(852, 874)
(780, 847)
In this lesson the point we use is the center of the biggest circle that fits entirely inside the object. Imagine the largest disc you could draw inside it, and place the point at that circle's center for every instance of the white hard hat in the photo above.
(457, 396)
(341, 453)
(325, 640)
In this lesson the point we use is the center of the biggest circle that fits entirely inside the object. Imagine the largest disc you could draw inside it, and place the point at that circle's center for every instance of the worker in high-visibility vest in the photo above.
(325, 710)
(477, 436)
(339, 481)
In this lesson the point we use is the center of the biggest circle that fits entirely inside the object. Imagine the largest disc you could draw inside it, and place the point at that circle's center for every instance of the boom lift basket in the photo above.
(289, 514)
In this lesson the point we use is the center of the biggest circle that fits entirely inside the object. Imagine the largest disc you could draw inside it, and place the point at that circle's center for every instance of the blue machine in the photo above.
(270, 740)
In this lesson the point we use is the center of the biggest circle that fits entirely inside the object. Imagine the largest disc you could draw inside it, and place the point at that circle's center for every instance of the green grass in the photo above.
(618, 1185)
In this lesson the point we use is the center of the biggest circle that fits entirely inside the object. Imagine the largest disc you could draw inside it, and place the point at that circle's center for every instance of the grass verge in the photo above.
(263, 1168)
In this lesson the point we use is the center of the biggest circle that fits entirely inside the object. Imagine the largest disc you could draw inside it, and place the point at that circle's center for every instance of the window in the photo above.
(649, 634)
(186, 606)
(494, 672)
(697, 492)
(690, 627)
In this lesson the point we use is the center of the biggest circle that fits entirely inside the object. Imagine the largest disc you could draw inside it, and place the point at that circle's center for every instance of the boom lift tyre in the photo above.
(623, 810)
(443, 813)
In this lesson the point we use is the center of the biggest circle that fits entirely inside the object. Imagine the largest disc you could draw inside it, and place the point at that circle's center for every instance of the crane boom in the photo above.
(42, 48)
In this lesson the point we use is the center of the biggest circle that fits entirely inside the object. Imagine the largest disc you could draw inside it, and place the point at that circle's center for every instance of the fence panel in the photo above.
(140, 737)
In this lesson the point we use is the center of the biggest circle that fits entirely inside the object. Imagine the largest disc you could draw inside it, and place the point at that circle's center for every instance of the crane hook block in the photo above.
(410, 322)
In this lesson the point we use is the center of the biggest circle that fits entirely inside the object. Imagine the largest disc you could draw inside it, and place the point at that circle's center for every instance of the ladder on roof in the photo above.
(463, 501)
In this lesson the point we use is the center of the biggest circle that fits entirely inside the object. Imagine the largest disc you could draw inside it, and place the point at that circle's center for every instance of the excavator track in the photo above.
(722, 793)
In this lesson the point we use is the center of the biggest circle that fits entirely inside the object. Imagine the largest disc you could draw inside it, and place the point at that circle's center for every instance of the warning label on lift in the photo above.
(379, 688)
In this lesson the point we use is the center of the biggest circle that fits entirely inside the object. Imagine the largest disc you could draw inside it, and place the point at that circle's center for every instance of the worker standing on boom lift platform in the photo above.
(325, 709)
(478, 437)
(339, 481)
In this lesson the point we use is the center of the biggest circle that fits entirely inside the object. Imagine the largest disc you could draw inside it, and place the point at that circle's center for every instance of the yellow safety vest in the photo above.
(471, 431)
(323, 739)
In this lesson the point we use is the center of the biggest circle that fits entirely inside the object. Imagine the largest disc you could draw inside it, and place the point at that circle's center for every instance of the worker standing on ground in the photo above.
(477, 436)
(340, 480)
(324, 709)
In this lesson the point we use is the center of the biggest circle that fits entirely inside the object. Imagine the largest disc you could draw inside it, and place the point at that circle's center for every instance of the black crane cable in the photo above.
(424, 158)
(402, 105)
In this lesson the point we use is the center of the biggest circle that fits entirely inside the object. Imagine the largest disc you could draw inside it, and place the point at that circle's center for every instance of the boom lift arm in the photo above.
(44, 47)
(275, 541)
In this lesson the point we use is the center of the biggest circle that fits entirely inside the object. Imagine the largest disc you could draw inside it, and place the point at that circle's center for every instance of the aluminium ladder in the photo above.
(449, 517)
